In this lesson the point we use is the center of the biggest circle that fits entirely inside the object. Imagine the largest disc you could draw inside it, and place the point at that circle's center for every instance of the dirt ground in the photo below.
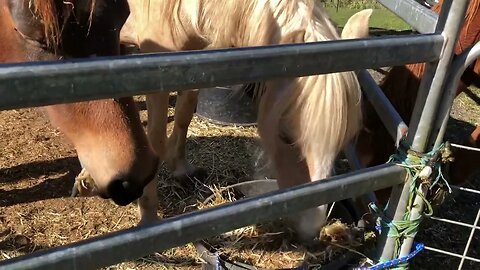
(38, 166)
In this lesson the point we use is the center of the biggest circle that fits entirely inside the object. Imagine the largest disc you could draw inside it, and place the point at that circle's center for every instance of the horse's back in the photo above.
(470, 33)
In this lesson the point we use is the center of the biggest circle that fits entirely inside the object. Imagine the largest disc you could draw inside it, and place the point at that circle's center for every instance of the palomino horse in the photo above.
(107, 134)
(401, 86)
(303, 122)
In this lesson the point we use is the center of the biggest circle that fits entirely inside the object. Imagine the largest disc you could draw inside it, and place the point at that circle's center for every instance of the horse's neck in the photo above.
(196, 24)
(257, 22)
(218, 23)
(227, 23)
(180, 25)
(150, 25)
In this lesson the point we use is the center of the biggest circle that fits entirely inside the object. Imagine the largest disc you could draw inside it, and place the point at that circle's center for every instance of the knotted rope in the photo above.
(425, 172)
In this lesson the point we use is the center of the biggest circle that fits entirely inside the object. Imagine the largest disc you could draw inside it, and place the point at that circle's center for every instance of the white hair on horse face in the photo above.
(262, 165)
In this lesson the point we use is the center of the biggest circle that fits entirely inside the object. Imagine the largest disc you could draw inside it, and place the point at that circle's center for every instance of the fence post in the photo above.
(426, 108)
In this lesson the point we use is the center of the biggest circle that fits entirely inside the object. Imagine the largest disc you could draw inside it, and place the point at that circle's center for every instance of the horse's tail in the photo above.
(327, 108)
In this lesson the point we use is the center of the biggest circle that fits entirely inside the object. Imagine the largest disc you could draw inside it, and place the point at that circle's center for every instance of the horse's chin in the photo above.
(123, 201)
(120, 201)
(103, 196)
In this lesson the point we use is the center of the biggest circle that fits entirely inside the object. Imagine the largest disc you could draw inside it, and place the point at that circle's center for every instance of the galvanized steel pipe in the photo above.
(39, 84)
(137, 242)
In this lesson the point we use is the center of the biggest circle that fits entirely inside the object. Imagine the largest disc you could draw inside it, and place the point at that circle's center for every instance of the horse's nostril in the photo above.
(126, 185)
(123, 192)
(115, 187)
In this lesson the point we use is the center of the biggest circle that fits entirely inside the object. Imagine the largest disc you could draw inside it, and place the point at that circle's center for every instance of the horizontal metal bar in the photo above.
(385, 110)
(136, 242)
(466, 189)
(354, 161)
(419, 17)
(452, 254)
(476, 149)
(34, 84)
(456, 223)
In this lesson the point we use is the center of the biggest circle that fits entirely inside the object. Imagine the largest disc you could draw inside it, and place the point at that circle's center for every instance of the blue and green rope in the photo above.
(422, 169)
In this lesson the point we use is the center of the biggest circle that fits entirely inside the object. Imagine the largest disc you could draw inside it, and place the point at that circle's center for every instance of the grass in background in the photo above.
(381, 18)
(353, 4)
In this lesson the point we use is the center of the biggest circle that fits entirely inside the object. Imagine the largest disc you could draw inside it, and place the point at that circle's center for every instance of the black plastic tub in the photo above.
(233, 105)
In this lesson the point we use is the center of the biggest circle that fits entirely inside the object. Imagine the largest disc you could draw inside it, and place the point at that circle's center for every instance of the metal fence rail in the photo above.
(433, 107)
(38, 84)
(419, 17)
(137, 242)
(390, 118)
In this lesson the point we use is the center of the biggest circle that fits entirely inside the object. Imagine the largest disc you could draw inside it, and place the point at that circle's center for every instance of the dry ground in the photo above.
(37, 168)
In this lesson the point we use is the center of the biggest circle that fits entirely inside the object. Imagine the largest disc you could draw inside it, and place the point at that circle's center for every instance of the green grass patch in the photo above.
(381, 18)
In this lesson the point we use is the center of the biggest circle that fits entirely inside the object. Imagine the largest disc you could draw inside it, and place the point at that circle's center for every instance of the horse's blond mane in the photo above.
(224, 23)
(323, 110)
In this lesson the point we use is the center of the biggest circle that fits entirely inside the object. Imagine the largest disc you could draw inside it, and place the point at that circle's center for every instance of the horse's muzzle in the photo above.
(124, 192)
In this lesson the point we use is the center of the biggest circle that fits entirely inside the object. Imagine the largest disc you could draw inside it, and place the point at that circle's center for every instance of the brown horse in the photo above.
(107, 134)
(401, 86)
(303, 122)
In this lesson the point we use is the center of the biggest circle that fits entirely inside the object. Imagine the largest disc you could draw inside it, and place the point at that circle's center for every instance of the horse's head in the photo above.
(107, 134)
(111, 145)
(94, 29)
(76, 28)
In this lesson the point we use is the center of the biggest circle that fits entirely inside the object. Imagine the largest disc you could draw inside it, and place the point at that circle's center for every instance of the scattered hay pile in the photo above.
(273, 246)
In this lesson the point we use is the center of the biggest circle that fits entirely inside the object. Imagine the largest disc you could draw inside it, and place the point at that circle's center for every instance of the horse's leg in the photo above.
(148, 203)
(289, 164)
(157, 109)
(184, 109)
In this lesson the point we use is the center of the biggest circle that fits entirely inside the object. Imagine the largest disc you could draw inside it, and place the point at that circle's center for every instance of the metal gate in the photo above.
(39, 84)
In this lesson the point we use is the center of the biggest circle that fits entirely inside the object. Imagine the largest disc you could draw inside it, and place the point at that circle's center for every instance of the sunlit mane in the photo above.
(333, 98)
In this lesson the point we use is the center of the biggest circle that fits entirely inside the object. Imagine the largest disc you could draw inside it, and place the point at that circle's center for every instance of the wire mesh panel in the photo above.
(453, 233)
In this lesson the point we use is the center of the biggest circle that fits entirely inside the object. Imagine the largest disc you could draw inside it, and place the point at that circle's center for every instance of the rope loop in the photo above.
(424, 170)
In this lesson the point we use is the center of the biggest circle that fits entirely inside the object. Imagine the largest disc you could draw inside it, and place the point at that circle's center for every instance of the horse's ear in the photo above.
(357, 25)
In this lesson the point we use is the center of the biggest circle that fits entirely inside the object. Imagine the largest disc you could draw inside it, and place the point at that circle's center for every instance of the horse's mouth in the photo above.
(126, 200)
(123, 200)
(84, 185)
